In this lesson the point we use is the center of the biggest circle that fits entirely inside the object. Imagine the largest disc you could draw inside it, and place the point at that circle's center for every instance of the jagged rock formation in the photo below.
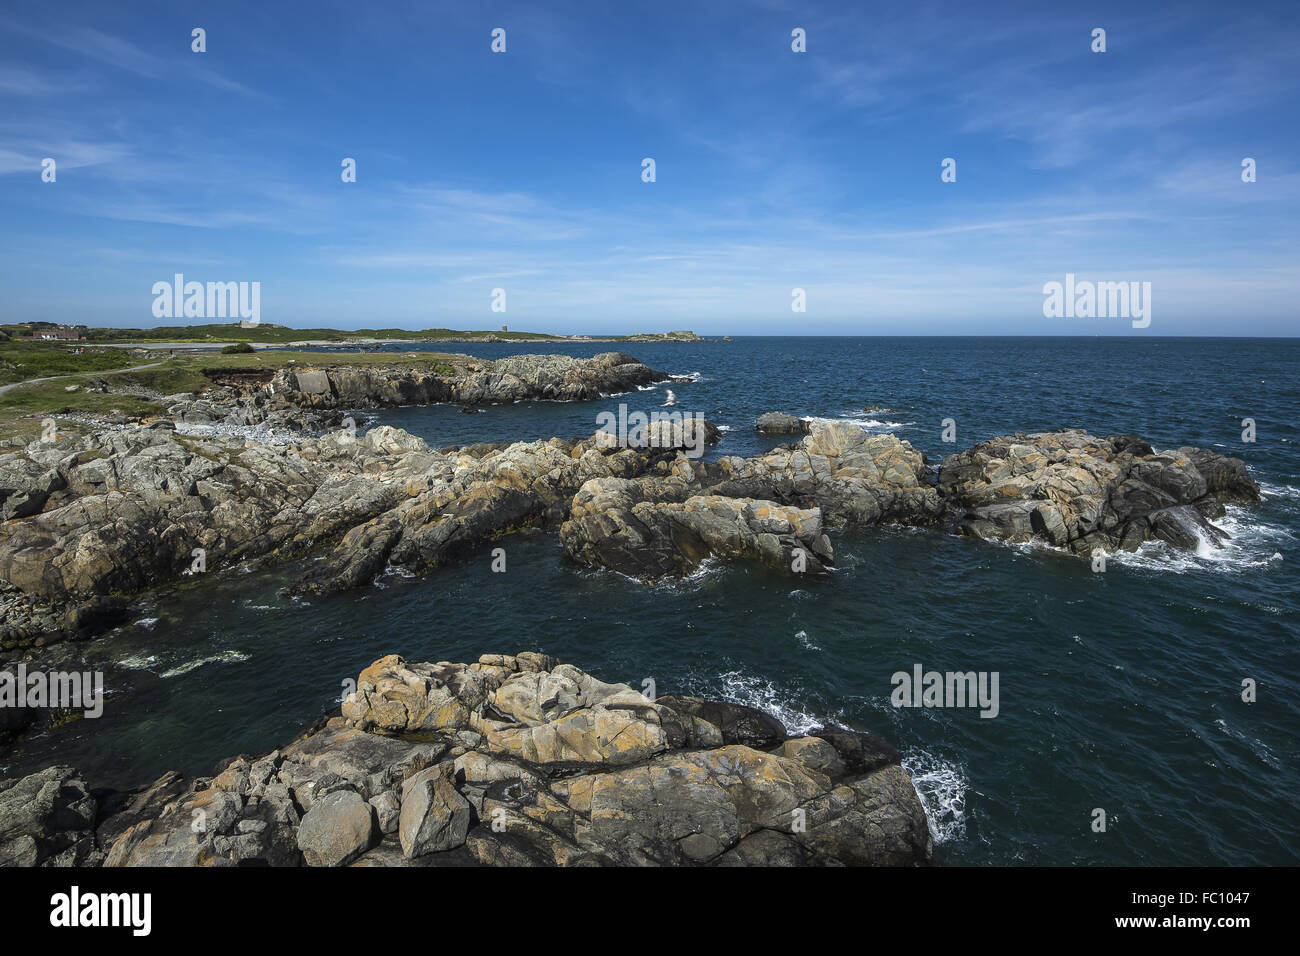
(87, 520)
(124, 511)
(1077, 491)
(309, 399)
(129, 509)
(459, 503)
(512, 760)
(47, 819)
(764, 508)
(467, 381)
(612, 524)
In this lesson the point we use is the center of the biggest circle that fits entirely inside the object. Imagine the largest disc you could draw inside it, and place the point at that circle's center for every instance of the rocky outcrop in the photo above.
(512, 760)
(307, 399)
(129, 510)
(245, 407)
(466, 381)
(779, 423)
(1077, 491)
(766, 508)
(679, 335)
(141, 507)
(47, 819)
(453, 509)
(612, 524)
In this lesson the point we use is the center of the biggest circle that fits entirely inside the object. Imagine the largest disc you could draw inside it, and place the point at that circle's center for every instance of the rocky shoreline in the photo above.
(92, 519)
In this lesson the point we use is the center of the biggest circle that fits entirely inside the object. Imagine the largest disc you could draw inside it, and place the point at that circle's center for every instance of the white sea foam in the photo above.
(863, 423)
(147, 622)
(225, 657)
(1256, 745)
(1254, 544)
(942, 787)
(802, 638)
(709, 568)
(1269, 490)
(693, 376)
(739, 687)
(138, 662)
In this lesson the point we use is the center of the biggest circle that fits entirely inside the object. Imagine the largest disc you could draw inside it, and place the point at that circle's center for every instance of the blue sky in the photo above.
(775, 169)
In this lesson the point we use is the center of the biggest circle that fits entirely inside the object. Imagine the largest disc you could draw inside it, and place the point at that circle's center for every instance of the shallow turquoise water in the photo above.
(1117, 690)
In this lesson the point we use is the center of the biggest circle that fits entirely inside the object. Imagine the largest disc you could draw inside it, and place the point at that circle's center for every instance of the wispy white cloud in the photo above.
(124, 55)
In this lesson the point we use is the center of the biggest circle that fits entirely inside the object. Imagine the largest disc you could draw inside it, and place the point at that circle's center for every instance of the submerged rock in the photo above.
(511, 760)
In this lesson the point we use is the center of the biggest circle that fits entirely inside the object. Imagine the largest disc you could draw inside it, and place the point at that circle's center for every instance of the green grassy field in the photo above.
(20, 361)
(23, 407)
(278, 334)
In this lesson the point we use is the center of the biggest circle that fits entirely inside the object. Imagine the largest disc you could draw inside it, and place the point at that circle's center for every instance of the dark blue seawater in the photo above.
(1119, 690)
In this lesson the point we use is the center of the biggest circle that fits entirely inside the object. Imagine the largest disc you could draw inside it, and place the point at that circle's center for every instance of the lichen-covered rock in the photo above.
(338, 828)
(611, 526)
(118, 511)
(434, 816)
(765, 508)
(392, 695)
(538, 764)
(464, 500)
(1077, 491)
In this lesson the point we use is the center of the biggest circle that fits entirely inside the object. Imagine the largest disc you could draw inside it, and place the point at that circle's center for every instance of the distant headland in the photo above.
(269, 335)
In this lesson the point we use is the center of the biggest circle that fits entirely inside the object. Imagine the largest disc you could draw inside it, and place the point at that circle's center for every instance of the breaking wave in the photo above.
(1253, 544)
(942, 787)
(739, 687)
(867, 424)
(225, 657)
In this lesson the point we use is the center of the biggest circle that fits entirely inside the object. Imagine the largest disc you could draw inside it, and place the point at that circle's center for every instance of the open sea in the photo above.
(1118, 690)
